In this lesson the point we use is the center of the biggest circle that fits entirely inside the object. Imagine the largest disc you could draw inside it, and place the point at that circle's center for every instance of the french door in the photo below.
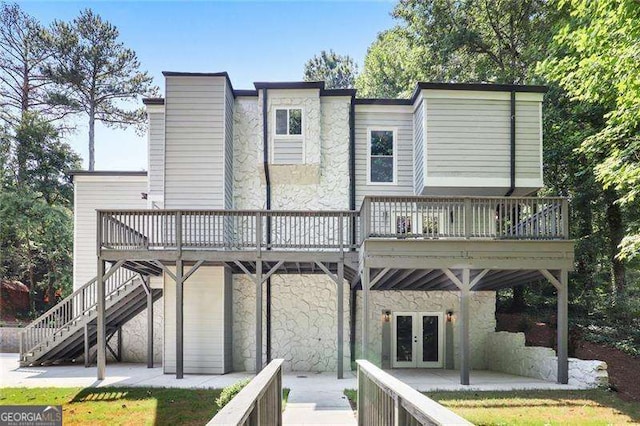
(417, 340)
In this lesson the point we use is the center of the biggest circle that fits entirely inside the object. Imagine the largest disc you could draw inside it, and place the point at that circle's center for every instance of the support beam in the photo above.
(101, 346)
(119, 357)
(179, 320)
(563, 328)
(365, 313)
(464, 327)
(258, 282)
(87, 346)
(340, 296)
(147, 283)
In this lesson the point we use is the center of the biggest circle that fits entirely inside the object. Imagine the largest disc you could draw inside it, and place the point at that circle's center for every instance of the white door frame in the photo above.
(416, 348)
(440, 362)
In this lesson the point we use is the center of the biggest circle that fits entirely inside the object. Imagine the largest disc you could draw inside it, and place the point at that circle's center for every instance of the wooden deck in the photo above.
(463, 244)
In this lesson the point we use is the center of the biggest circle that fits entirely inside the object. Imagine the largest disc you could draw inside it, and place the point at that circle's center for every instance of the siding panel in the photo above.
(204, 323)
(195, 109)
(156, 154)
(402, 120)
(91, 194)
(418, 148)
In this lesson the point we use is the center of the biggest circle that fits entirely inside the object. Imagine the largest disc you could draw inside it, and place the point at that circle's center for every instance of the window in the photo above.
(288, 141)
(289, 121)
(382, 164)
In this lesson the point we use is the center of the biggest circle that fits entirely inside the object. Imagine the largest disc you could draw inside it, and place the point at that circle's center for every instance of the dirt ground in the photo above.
(623, 369)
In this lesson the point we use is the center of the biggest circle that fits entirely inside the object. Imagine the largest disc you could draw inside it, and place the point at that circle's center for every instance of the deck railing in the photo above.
(258, 403)
(384, 400)
(531, 218)
(525, 218)
(226, 229)
(69, 310)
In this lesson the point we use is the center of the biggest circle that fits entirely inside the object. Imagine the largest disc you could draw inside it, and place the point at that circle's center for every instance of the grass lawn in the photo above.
(121, 406)
(591, 407)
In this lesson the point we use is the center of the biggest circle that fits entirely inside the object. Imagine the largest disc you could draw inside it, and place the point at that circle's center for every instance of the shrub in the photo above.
(230, 391)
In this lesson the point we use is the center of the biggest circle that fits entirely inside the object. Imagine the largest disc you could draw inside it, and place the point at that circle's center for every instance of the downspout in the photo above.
(352, 206)
(512, 186)
(267, 179)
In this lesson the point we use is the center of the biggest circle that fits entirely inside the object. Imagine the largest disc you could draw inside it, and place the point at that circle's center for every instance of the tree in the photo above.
(337, 71)
(392, 66)
(42, 162)
(25, 49)
(36, 230)
(98, 73)
(595, 58)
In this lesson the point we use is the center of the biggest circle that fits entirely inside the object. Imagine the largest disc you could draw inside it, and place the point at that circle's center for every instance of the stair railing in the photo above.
(68, 311)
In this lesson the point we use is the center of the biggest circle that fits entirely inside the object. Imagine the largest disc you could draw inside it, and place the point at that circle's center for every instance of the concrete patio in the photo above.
(123, 374)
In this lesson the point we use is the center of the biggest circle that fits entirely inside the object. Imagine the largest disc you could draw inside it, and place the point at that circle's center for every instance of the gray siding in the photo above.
(386, 117)
(468, 138)
(418, 148)
(528, 143)
(228, 147)
(91, 194)
(156, 152)
(204, 323)
(195, 131)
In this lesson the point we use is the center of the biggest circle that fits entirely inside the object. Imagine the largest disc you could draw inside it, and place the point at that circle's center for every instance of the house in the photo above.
(298, 222)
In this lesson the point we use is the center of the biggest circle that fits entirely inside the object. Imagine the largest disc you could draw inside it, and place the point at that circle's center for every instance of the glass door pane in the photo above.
(404, 338)
(430, 338)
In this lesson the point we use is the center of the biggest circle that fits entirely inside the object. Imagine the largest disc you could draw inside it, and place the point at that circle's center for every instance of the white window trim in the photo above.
(287, 137)
(395, 155)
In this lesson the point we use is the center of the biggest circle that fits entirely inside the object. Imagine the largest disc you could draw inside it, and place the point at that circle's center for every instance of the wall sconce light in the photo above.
(386, 316)
(449, 315)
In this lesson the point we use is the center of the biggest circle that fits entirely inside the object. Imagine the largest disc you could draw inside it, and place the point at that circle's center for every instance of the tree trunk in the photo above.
(616, 233)
(518, 304)
(92, 125)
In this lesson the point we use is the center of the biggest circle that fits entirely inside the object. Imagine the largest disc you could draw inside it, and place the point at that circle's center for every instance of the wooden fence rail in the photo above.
(258, 403)
(524, 218)
(384, 400)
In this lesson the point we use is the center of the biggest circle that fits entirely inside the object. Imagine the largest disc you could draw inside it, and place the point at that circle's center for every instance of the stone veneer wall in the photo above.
(134, 335)
(303, 323)
(304, 319)
(506, 352)
(482, 321)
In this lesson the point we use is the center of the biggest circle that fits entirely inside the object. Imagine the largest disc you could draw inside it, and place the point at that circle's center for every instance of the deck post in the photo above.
(179, 320)
(563, 328)
(464, 327)
(149, 323)
(101, 345)
(365, 313)
(340, 296)
(87, 346)
(258, 316)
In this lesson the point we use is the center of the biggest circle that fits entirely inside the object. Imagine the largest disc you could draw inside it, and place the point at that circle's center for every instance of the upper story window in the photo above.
(289, 121)
(381, 156)
(288, 141)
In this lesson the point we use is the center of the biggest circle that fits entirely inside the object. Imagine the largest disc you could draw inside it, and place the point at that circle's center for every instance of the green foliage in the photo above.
(337, 71)
(457, 41)
(230, 391)
(392, 66)
(596, 59)
(98, 74)
(36, 230)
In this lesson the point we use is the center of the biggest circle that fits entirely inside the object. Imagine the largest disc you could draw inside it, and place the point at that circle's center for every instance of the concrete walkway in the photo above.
(318, 399)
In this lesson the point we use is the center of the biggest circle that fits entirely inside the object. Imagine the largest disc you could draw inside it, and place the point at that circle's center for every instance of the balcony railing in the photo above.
(227, 229)
(523, 218)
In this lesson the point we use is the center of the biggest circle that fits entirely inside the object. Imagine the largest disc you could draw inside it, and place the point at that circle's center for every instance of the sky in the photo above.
(252, 41)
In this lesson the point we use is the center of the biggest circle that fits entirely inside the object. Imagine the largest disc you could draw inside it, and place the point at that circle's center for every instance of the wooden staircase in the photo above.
(58, 335)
